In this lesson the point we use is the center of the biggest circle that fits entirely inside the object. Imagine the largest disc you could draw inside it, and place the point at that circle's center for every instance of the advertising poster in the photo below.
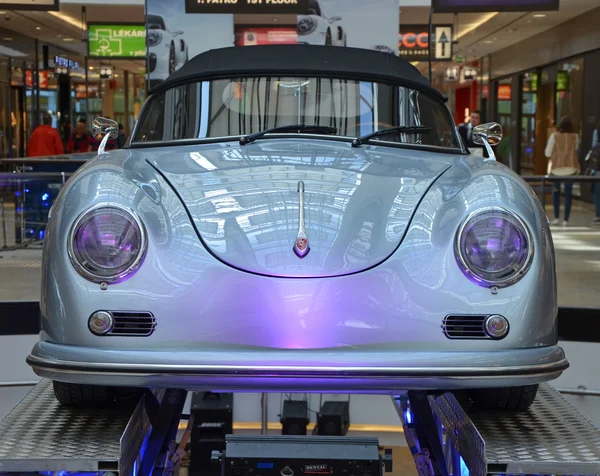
(173, 36)
(354, 23)
(251, 36)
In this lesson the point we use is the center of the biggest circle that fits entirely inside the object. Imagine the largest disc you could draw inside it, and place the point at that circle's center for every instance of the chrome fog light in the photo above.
(496, 327)
(101, 323)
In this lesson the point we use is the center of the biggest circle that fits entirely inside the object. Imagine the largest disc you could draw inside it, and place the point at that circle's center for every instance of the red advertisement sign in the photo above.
(504, 92)
(249, 36)
(43, 79)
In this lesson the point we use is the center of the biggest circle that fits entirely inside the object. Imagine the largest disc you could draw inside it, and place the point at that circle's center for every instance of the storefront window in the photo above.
(569, 92)
(528, 111)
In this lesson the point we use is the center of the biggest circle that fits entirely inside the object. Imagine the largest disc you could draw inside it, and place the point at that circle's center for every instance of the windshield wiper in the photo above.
(382, 132)
(291, 128)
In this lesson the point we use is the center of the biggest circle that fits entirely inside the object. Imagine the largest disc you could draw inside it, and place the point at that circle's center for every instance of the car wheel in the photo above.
(328, 39)
(77, 395)
(172, 59)
(508, 398)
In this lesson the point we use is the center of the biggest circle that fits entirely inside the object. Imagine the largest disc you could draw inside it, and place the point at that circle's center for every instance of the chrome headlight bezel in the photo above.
(306, 26)
(154, 37)
(479, 279)
(86, 216)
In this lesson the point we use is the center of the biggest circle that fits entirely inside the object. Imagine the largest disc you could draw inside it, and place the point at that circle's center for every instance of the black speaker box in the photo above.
(213, 419)
(294, 417)
(334, 419)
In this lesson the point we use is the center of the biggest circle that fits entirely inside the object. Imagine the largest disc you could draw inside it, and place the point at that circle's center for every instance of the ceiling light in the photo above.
(91, 68)
(67, 39)
(488, 41)
(539, 15)
(476, 25)
(70, 20)
(7, 39)
(38, 27)
(2, 13)
(58, 36)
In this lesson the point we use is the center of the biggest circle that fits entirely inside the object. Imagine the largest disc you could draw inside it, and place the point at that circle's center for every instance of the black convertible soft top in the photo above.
(300, 60)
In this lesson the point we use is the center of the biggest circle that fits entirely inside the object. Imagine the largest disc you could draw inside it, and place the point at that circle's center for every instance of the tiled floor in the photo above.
(577, 255)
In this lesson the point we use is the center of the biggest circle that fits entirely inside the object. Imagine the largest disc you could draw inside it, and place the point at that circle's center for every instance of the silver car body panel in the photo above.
(377, 305)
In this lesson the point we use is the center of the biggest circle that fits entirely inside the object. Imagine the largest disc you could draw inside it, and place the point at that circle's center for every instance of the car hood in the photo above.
(245, 204)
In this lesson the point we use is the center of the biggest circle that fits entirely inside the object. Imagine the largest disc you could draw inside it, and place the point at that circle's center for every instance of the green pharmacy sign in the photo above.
(115, 40)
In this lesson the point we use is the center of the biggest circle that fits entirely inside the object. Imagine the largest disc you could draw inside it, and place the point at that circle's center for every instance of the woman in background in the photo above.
(562, 152)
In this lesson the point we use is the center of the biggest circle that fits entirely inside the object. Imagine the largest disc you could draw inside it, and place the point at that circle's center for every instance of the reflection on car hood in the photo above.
(245, 203)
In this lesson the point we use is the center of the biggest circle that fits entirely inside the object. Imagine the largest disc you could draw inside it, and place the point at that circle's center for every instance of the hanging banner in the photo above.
(355, 23)
(282, 7)
(477, 6)
(173, 37)
(41, 5)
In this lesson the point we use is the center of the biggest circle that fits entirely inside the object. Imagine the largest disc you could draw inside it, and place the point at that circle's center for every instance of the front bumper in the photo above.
(309, 370)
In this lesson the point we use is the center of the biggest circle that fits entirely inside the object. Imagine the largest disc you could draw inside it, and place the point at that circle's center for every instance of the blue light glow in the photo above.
(464, 470)
(17, 194)
(46, 196)
(26, 190)
(408, 416)
(41, 234)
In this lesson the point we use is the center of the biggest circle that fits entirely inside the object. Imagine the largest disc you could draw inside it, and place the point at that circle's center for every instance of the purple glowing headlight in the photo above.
(494, 248)
(107, 244)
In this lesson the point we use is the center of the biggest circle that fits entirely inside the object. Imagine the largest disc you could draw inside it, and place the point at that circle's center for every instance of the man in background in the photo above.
(45, 140)
(466, 130)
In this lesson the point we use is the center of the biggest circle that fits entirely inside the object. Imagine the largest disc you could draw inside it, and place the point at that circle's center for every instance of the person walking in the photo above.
(79, 141)
(466, 130)
(593, 165)
(45, 140)
(561, 149)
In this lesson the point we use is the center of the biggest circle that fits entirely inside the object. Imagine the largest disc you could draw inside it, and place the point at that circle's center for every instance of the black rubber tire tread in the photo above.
(77, 395)
(507, 398)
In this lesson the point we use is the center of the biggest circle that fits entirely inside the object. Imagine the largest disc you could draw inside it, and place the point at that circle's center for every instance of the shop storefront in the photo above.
(544, 95)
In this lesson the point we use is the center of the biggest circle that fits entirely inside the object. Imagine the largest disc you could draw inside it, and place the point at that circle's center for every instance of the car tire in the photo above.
(78, 395)
(507, 398)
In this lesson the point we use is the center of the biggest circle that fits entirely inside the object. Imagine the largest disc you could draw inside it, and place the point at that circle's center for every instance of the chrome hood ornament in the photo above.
(301, 247)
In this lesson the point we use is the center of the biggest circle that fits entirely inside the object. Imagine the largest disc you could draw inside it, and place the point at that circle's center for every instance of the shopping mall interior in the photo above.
(407, 271)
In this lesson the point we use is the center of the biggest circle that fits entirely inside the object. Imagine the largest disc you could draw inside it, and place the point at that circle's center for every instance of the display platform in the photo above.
(552, 437)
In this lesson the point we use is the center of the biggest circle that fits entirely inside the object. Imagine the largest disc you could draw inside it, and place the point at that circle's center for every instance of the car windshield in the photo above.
(237, 107)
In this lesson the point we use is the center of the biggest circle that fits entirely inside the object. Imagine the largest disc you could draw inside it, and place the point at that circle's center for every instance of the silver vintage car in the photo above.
(298, 218)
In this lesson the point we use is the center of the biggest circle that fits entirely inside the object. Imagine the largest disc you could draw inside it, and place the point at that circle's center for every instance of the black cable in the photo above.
(430, 38)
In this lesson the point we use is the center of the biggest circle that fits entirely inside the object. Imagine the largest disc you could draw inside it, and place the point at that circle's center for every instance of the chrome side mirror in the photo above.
(488, 135)
(105, 129)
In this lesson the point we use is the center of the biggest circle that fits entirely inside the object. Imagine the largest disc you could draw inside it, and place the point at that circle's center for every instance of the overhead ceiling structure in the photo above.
(64, 30)
(478, 34)
(482, 34)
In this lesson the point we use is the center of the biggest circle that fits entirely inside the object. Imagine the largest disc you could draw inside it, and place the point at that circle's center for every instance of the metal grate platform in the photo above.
(41, 435)
(552, 437)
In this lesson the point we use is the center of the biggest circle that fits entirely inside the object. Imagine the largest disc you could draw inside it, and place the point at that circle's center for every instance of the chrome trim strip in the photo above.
(267, 371)
(301, 245)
